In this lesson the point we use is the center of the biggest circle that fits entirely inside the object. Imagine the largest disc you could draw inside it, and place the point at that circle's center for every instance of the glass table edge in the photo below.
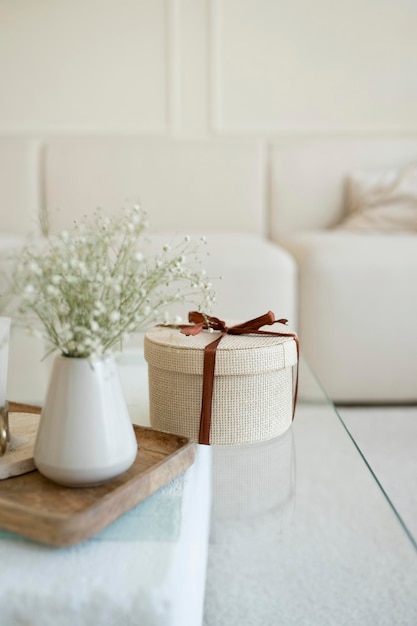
(326, 399)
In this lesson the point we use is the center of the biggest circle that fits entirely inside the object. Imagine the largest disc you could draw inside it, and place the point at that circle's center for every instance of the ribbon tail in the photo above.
(263, 320)
(297, 375)
(208, 385)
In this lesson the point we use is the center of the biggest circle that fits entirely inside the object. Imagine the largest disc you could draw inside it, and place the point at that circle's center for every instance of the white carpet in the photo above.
(387, 436)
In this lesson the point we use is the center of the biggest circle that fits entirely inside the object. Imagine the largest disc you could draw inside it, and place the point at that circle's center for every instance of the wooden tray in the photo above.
(33, 506)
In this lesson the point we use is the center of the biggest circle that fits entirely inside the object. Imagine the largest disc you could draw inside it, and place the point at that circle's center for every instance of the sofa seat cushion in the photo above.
(357, 312)
(250, 275)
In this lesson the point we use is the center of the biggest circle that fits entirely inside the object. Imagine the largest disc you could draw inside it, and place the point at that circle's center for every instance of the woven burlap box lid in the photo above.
(253, 384)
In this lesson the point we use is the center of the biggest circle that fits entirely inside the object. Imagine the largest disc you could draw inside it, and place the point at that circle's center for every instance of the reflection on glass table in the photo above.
(301, 533)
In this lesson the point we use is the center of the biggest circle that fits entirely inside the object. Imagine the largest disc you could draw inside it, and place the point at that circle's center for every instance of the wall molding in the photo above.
(173, 66)
(218, 123)
(214, 69)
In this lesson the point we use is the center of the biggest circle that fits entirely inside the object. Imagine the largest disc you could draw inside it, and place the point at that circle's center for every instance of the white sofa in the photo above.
(214, 188)
(357, 291)
(268, 213)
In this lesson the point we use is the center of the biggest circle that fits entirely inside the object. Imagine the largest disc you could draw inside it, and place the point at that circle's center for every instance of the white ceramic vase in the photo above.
(85, 434)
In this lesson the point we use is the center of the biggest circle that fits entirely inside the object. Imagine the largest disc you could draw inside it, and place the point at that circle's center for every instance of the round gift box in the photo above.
(253, 384)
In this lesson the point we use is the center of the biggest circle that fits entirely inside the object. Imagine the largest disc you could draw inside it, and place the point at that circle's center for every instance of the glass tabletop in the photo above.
(302, 533)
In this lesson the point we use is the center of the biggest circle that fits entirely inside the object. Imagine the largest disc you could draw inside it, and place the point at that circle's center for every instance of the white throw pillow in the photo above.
(382, 201)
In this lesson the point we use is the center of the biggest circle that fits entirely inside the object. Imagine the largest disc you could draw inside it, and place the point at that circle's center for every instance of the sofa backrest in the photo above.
(308, 176)
(19, 185)
(212, 185)
(186, 185)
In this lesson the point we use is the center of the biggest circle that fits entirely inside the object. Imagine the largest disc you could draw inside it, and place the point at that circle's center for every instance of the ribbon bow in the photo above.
(200, 322)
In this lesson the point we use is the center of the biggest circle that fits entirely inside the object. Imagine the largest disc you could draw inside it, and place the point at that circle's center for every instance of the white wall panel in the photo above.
(189, 93)
(83, 65)
(192, 67)
(314, 66)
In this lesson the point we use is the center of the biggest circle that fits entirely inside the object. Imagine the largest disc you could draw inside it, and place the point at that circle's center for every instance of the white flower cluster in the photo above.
(93, 286)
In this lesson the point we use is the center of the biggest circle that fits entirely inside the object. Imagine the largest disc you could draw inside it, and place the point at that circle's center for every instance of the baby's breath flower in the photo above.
(114, 316)
(94, 285)
(34, 267)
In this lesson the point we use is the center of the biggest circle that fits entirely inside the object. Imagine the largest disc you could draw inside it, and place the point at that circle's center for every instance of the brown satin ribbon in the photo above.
(200, 322)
